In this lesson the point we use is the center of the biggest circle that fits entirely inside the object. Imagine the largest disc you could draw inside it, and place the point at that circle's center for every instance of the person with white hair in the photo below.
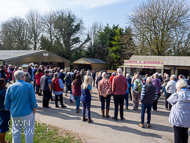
(119, 88)
(180, 112)
(58, 88)
(104, 88)
(20, 99)
(88, 74)
(149, 94)
(170, 89)
(157, 83)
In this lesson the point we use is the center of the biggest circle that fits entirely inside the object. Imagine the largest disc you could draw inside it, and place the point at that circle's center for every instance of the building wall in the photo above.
(99, 66)
(38, 58)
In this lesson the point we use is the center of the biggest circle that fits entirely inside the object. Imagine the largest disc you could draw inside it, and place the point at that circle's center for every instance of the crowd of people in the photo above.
(19, 99)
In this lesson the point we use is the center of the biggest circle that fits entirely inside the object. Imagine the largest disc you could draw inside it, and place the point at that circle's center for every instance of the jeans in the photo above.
(166, 102)
(118, 100)
(144, 107)
(86, 106)
(163, 90)
(77, 99)
(26, 122)
(126, 99)
(180, 134)
(102, 98)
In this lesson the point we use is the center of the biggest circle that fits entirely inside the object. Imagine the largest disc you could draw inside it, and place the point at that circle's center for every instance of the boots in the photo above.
(107, 114)
(89, 120)
(103, 113)
(84, 119)
(2, 138)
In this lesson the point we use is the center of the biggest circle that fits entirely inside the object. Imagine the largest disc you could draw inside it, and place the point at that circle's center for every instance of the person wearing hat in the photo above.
(27, 74)
(46, 87)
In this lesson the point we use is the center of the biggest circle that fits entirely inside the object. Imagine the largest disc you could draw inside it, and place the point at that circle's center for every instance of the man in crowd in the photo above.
(21, 101)
(46, 87)
(33, 76)
(27, 75)
(148, 95)
(30, 69)
(119, 88)
(62, 76)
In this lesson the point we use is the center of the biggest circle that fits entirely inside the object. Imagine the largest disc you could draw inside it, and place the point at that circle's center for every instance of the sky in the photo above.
(101, 11)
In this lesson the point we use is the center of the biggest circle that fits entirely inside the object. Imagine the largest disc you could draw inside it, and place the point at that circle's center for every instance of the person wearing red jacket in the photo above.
(58, 88)
(111, 78)
(119, 88)
(8, 76)
(38, 76)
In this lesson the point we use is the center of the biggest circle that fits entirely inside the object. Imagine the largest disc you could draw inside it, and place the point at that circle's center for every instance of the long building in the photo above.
(40, 57)
(161, 64)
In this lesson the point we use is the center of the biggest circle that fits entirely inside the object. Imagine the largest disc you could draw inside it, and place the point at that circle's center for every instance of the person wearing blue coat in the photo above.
(86, 93)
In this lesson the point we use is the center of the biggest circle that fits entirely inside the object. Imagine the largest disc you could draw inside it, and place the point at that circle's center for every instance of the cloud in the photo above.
(11, 8)
(89, 4)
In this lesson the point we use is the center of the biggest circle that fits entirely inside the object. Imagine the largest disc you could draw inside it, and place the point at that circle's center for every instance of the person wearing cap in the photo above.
(33, 76)
(20, 99)
(46, 87)
(27, 75)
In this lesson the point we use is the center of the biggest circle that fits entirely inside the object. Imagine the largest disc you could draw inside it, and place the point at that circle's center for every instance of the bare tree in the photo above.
(35, 28)
(14, 34)
(161, 27)
(48, 24)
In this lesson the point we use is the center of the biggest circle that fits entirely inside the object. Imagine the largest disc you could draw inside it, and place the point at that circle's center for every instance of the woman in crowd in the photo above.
(180, 112)
(88, 74)
(86, 99)
(104, 88)
(4, 115)
(137, 91)
(157, 83)
(58, 88)
(76, 90)
(170, 89)
(38, 76)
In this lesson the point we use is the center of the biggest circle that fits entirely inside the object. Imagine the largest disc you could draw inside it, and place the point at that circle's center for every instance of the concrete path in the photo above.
(106, 130)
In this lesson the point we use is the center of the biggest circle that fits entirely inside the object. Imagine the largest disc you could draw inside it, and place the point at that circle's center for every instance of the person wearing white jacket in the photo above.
(170, 89)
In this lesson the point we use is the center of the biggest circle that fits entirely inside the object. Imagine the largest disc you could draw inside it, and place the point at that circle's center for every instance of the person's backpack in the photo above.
(139, 88)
